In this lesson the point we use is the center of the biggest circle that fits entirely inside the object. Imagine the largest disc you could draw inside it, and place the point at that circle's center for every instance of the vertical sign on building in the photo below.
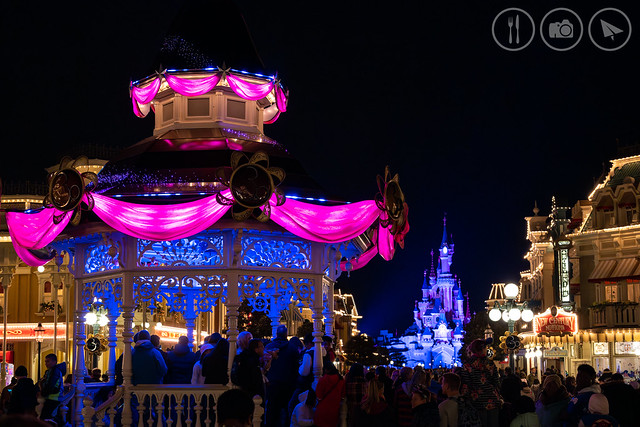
(563, 271)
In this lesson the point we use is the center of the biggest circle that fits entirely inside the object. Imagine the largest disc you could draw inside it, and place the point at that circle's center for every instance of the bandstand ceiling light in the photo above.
(511, 290)
(505, 316)
(90, 318)
(514, 314)
(527, 315)
(538, 353)
(494, 314)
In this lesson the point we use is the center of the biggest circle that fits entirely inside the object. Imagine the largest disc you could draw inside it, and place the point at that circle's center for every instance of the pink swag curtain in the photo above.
(141, 97)
(327, 224)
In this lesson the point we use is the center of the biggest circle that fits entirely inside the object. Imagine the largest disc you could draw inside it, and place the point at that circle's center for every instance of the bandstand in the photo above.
(204, 214)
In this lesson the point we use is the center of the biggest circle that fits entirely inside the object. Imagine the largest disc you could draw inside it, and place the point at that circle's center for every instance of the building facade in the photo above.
(604, 279)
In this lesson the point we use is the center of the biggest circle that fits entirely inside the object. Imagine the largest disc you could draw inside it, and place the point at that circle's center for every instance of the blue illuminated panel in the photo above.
(202, 250)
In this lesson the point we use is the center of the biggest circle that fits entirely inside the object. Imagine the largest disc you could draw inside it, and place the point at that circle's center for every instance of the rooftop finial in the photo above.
(535, 208)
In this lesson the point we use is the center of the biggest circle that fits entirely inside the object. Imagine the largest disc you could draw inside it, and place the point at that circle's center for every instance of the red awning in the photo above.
(603, 270)
(625, 268)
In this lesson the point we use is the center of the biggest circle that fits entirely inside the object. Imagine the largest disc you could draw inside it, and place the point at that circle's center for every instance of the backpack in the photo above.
(467, 413)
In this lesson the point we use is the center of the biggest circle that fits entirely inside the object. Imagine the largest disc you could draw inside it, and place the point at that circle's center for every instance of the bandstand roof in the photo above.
(183, 164)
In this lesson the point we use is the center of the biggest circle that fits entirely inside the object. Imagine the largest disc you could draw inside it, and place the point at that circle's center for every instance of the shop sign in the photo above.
(627, 348)
(171, 334)
(556, 352)
(24, 331)
(601, 348)
(555, 322)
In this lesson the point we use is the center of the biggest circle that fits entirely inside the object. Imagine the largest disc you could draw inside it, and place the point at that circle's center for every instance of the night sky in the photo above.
(473, 130)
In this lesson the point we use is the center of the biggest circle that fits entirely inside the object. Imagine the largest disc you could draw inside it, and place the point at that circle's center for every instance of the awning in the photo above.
(603, 270)
(625, 268)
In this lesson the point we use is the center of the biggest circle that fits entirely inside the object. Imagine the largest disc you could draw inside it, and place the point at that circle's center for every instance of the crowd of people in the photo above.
(281, 373)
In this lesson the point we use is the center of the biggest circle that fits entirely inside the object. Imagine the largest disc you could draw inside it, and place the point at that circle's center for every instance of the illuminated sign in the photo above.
(564, 276)
(601, 348)
(627, 348)
(24, 331)
(171, 334)
(555, 321)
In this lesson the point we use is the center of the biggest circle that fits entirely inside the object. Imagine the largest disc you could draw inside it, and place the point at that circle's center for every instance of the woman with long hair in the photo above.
(374, 410)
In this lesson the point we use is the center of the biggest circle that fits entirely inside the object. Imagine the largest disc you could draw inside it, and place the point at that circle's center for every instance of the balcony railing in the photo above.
(614, 315)
(162, 405)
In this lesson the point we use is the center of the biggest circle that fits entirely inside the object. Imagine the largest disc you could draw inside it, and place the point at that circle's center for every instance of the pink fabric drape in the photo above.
(141, 96)
(327, 224)
(386, 243)
(28, 257)
(192, 87)
(246, 90)
(362, 260)
(36, 230)
(160, 222)
(281, 99)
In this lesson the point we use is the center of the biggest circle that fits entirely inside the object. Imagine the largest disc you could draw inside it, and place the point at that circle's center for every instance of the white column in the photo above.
(317, 327)
(55, 283)
(329, 312)
(127, 337)
(80, 368)
(232, 315)
(113, 341)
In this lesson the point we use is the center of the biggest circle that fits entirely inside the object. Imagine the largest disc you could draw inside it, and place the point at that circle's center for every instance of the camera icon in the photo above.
(561, 30)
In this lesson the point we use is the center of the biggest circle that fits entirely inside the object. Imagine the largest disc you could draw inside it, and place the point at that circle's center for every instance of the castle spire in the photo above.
(433, 271)
(468, 313)
(444, 230)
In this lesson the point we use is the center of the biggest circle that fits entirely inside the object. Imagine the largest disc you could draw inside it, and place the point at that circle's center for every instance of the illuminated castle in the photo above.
(435, 338)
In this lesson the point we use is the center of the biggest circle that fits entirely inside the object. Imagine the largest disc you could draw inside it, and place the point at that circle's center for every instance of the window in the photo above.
(611, 293)
(167, 111)
(235, 109)
(198, 107)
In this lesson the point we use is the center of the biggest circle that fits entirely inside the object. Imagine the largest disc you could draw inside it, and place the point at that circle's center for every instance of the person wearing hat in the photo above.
(480, 383)
(23, 395)
(598, 413)
(424, 407)
(586, 386)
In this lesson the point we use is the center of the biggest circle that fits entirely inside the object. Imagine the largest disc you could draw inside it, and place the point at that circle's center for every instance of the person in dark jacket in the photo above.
(181, 361)
(389, 393)
(52, 388)
(424, 407)
(246, 372)
(622, 399)
(586, 386)
(147, 362)
(554, 399)
(23, 398)
(215, 364)
(281, 384)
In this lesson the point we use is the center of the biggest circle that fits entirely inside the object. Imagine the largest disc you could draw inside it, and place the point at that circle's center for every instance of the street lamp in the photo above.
(510, 311)
(39, 333)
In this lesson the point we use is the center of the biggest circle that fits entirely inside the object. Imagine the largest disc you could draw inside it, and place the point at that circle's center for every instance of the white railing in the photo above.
(163, 405)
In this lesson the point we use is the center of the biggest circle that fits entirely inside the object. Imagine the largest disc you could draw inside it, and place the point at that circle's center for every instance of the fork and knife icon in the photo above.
(510, 24)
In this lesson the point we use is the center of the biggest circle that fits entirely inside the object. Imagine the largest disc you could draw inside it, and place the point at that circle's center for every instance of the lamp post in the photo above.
(39, 333)
(510, 311)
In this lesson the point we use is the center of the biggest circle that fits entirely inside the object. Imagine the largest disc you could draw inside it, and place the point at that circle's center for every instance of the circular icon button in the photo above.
(609, 29)
(561, 29)
(513, 29)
